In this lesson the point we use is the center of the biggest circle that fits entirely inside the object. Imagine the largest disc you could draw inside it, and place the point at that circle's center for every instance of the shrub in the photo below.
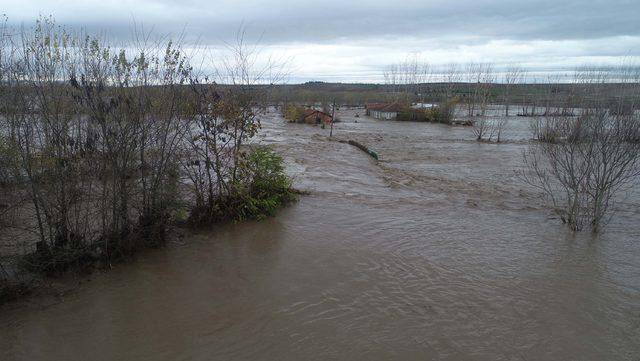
(56, 260)
(263, 186)
(547, 130)
(7, 156)
(260, 188)
(443, 112)
(10, 291)
(293, 113)
(412, 115)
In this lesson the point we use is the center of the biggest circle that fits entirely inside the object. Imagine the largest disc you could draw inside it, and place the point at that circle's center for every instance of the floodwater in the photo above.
(435, 252)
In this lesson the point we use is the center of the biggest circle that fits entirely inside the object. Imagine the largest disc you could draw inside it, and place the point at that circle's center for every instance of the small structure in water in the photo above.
(313, 116)
(386, 111)
(422, 105)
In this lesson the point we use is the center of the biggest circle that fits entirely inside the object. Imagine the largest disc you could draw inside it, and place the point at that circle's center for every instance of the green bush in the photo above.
(443, 112)
(262, 186)
(293, 113)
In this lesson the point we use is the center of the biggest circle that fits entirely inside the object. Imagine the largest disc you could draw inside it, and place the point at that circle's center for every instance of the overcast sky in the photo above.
(353, 40)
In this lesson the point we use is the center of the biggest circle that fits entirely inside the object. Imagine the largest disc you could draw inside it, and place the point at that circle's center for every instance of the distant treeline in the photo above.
(540, 95)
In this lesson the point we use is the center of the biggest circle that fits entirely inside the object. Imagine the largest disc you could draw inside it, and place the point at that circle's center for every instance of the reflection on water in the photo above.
(435, 252)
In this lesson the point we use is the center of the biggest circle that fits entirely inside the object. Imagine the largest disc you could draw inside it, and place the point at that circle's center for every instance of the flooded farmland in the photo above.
(437, 251)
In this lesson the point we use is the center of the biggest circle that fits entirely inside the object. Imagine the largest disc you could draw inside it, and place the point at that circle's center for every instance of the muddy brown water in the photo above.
(437, 252)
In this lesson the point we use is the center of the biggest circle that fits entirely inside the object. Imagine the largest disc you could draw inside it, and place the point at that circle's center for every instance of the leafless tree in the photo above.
(452, 76)
(483, 129)
(480, 78)
(407, 78)
(513, 75)
(499, 125)
(584, 163)
(594, 158)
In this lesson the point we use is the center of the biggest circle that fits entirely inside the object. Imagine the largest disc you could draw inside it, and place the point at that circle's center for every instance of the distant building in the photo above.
(422, 105)
(313, 116)
(385, 111)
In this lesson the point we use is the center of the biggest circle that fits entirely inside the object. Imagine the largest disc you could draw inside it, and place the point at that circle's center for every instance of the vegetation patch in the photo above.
(97, 163)
(11, 291)
(293, 113)
(259, 190)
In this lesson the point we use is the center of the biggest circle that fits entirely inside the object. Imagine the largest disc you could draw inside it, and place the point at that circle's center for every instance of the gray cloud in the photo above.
(316, 21)
(586, 29)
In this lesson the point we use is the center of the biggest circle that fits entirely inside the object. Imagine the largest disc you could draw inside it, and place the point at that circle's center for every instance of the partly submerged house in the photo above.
(313, 116)
(386, 111)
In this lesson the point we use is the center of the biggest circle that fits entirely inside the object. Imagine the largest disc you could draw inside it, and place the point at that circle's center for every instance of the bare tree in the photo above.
(583, 163)
(407, 78)
(594, 158)
(513, 75)
(391, 76)
(452, 76)
(472, 71)
(485, 84)
(480, 78)
(499, 125)
(483, 129)
(95, 132)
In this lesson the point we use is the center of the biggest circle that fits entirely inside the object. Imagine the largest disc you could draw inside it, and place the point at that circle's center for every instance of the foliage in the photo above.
(443, 112)
(262, 186)
(259, 190)
(293, 113)
(102, 147)
(440, 113)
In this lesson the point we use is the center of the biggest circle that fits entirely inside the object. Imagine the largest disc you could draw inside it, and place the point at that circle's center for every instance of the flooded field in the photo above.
(437, 251)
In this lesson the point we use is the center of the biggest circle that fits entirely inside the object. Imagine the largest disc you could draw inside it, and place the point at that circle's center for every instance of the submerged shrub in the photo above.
(443, 112)
(12, 290)
(263, 186)
(440, 113)
(293, 113)
(55, 260)
(260, 188)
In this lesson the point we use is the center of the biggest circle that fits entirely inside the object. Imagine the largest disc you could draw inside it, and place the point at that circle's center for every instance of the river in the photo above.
(438, 251)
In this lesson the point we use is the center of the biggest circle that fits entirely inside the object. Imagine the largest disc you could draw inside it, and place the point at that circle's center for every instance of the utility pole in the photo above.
(333, 113)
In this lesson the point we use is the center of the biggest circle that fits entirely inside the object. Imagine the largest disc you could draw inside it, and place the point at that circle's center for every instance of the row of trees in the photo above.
(480, 84)
(472, 82)
(477, 85)
(103, 147)
(461, 90)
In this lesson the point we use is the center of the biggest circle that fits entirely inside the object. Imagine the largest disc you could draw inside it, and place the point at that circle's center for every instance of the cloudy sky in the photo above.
(353, 40)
